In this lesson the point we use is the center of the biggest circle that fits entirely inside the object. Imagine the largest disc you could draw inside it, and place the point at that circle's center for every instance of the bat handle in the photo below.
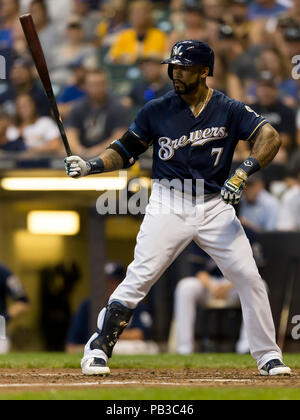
(59, 123)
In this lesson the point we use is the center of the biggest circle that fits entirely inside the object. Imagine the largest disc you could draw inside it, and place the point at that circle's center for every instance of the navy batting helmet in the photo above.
(191, 53)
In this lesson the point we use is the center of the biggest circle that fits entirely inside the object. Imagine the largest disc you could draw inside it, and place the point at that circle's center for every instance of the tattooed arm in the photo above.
(266, 145)
(264, 148)
(120, 154)
(112, 160)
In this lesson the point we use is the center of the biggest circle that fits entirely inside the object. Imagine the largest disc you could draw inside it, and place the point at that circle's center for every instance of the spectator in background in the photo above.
(140, 41)
(74, 49)
(11, 289)
(113, 22)
(176, 9)
(88, 17)
(135, 335)
(193, 25)
(289, 216)
(22, 81)
(13, 145)
(282, 118)
(230, 51)
(264, 9)
(97, 120)
(20, 46)
(260, 14)
(59, 11)
(289, 19)
(154, 85)
(74, 91)
(272, 61)
(9, 15)
(213, 9)
(259, 210)
(292, 15)
(291, 42)
(40, 134)
(220, 79)
(237, 18)
(48, 33)
(238, 50)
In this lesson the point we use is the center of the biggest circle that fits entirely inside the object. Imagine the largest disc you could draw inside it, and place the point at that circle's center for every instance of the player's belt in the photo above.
(191, 197)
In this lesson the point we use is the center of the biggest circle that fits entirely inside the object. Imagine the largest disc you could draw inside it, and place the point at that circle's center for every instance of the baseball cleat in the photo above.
(275, 368)
(95, 366)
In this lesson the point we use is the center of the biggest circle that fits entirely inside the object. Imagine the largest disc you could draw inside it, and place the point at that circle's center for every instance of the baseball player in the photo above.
(194, 131)
(11, 289)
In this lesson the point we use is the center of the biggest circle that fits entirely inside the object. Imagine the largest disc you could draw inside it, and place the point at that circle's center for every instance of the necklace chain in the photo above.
(208, 96)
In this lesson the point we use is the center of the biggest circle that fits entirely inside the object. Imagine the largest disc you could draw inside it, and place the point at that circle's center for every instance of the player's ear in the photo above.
(204, 72)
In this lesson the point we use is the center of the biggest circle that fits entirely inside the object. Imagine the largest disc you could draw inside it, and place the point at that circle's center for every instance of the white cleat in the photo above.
(95, 366)
(275, 368)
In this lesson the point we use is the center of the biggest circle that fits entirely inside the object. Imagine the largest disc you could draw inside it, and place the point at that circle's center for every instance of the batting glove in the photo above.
(77, 167)
(232, 190)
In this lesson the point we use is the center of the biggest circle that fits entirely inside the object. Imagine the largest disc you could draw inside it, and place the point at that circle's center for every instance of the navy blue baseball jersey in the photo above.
(189, 147)
(10, 287)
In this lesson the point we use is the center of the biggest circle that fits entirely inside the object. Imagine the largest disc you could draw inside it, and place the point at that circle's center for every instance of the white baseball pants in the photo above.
(214, 226)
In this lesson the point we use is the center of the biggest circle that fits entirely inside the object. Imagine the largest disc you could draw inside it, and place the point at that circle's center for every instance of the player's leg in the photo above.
(242, 346)
(189, 293)
(162, 237)
(221, 235)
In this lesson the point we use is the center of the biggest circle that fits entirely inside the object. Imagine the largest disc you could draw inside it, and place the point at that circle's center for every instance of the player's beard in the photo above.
(185, 89)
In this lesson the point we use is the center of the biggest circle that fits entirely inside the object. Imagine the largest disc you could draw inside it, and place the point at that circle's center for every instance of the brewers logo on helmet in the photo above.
(191, 53)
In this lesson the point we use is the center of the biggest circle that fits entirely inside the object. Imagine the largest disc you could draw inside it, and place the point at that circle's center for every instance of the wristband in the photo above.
(250, 166)
(95, 166)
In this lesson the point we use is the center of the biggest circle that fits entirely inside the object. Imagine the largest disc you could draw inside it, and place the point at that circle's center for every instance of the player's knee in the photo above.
(242, 274)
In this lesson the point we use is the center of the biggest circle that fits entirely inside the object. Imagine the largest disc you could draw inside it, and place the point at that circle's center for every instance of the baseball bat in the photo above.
(42, 69)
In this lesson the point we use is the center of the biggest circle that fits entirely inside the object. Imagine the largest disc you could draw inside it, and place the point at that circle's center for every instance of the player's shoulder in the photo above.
(235, 108)
(224, 100)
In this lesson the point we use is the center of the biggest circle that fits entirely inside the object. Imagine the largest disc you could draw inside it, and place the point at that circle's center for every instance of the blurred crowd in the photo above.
(104, 58)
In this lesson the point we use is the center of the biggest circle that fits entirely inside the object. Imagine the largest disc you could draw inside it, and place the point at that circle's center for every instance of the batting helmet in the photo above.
(191, 53)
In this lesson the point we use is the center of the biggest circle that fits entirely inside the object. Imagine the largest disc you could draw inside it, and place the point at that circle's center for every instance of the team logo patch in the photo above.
(248, 163)
(196, 138)
(177, 51)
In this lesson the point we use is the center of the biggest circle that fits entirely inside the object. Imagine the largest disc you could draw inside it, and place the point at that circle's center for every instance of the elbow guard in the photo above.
(129, 147)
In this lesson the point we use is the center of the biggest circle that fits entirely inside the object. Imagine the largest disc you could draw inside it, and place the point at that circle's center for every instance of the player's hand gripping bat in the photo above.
(41, 66)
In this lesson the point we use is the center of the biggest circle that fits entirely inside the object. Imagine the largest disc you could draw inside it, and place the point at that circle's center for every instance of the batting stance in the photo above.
(194, 131)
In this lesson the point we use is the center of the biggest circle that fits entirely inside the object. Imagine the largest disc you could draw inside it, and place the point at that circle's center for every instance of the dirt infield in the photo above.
(30, 379)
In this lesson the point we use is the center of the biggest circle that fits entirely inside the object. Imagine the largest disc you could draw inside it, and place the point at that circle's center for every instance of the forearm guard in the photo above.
(129, 147)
